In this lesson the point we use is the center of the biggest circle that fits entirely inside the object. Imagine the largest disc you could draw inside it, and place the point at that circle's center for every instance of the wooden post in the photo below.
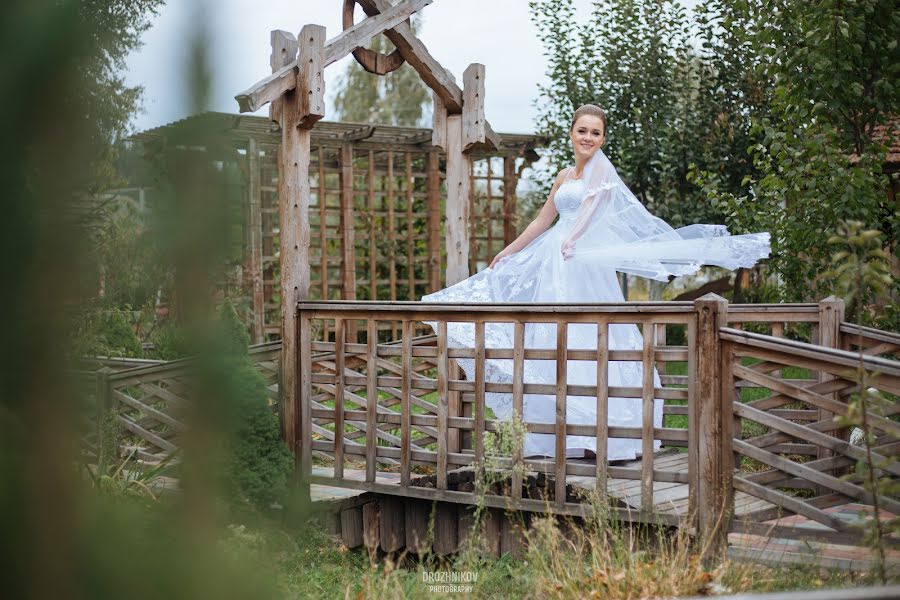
(310, 78)
(255, 240)
(104, 404)
(710, 452)
(474, 121)
(434, 221)
(300, 110)
(509, 200)
(457, 209)
(831, 313)
(348, 249)
(284, 51)
(348, 235)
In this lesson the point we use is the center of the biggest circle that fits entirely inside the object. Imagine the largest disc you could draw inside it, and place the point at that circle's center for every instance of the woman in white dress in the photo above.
(602, 228)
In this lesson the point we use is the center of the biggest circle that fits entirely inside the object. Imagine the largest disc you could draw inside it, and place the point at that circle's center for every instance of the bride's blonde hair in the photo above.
(589, 109)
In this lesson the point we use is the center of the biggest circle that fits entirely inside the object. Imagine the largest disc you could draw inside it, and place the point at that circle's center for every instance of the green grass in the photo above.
(309, 563)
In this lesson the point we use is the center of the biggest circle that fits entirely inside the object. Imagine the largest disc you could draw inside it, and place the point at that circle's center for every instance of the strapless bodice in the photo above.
(568, 198)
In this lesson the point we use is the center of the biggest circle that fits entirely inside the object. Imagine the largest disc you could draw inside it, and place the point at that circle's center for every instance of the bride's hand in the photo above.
(567, 249)
(500, 256)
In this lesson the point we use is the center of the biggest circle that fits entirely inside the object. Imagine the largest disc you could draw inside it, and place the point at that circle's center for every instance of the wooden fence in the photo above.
(750, 392)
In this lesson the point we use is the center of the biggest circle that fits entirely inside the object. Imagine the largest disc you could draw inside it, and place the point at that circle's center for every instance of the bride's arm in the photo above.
(582, 220)
(538, 226)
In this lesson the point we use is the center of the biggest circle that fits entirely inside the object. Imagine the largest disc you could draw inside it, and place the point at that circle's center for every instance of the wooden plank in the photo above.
(814, 437)
(479, 396)
(371, 526)
(456, 219)
(832, 360)
(348, 227)
(310, 91)
(417, 515)
(561, 381)
(602, 406)
(254, 241)
(392, 523)
(284, 53)
(446, 529)
(147, 435)
(475, 128)
(405, 406)
(149, 411)
(373, 248)
(301, 426)
(323, 241)
(352, 527)
(410, 230)
(454, 403)
(391, 228)
(512, 534)
(817, 477)
(359, 34)
(518, 395)
(419, 58)
(647, 417)
(827, 405)
(438, 122)
(502, 502)
(443, 406)
(433, 185)
(339, 338)
(509, 199)
(693, 466)
(791, 503)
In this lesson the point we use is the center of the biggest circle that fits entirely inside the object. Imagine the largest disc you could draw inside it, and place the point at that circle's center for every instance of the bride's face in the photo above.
(587, 135)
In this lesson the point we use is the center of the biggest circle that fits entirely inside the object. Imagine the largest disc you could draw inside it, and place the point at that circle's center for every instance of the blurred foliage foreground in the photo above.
(97, 531)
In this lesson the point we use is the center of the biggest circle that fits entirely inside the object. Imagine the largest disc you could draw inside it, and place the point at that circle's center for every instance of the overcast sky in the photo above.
(496, 33)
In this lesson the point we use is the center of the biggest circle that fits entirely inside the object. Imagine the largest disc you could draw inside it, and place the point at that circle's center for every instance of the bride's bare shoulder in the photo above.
(562, 175)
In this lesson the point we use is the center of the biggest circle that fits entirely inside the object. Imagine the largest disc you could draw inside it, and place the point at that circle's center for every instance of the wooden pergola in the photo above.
(296, 93)
(387, 180)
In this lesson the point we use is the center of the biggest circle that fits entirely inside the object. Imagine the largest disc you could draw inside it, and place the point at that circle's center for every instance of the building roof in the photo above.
(243, 127)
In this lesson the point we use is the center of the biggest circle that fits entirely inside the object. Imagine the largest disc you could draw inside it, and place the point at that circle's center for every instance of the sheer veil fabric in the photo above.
(603, 228)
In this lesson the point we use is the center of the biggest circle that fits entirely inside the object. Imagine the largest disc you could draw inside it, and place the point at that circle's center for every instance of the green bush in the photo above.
(258, 464)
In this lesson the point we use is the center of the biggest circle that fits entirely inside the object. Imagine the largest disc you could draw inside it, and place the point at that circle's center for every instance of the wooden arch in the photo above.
(295, 92)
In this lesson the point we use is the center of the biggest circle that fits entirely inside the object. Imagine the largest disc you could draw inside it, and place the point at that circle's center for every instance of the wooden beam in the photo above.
(477, 134)
(255, 241)
(433, 184)
(360, 34)
(293, 211)
(284, 79)
(310, 79)
(348, 241)
(419, 58)
(284, 52)
(457, 206)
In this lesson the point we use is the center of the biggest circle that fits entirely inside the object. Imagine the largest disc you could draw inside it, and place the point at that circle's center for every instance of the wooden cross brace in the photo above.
(285, 78)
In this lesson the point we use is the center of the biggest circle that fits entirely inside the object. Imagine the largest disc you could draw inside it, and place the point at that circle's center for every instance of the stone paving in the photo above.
(784, 551)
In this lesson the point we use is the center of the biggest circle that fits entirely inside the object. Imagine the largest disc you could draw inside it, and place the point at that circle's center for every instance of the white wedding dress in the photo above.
(538, 273)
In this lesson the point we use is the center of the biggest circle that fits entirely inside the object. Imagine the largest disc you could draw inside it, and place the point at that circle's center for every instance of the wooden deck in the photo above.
(668, 498)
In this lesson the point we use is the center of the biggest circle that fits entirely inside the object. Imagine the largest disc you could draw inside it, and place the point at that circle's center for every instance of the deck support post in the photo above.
(712, 430)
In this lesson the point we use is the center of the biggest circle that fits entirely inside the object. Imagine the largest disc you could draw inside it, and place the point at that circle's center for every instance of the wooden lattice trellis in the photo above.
(395, 200)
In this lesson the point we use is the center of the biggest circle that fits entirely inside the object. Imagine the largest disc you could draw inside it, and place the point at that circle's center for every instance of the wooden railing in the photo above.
(148, 398)
(800, 454)
(427, 416)
(760, 439)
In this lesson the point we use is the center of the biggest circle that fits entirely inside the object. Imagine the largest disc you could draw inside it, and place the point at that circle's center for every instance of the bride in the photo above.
(602, 229)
